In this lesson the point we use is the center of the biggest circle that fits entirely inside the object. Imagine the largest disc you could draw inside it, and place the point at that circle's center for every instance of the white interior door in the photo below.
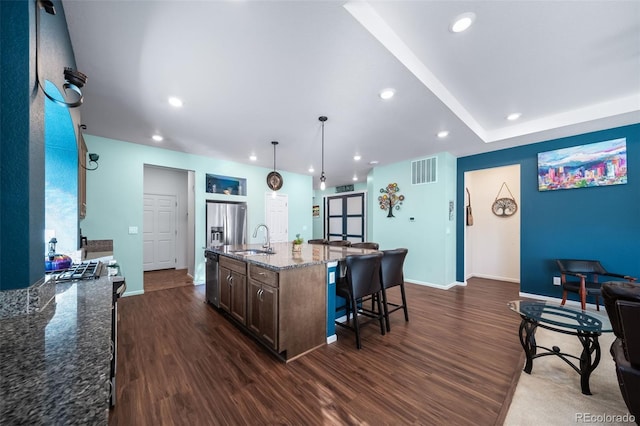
(159, 245)
(277, 217)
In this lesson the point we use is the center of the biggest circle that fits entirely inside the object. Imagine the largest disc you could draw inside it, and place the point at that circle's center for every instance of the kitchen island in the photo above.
(285, 299)
(55, 363)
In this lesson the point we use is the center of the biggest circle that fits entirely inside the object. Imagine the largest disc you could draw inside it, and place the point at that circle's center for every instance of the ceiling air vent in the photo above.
(424, 171)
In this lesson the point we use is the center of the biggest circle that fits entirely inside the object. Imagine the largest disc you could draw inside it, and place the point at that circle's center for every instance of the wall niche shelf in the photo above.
(218, 184)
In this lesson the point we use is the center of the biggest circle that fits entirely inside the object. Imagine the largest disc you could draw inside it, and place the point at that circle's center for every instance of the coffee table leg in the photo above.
(527, 333)
(589, 345)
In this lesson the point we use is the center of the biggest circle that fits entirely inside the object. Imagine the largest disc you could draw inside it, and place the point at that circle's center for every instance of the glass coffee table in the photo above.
(586, 325)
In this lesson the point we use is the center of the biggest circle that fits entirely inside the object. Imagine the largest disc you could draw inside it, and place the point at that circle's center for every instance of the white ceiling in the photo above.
(250, 72)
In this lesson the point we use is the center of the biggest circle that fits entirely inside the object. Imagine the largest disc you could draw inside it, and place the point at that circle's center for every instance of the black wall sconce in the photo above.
(73, 80)
(93, 159)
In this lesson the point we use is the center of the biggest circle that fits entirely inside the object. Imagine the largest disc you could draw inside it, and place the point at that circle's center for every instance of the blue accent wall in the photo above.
(22, 161)
(601, 223)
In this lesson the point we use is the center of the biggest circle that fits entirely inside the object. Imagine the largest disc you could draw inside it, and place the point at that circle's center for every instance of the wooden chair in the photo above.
(361, 280)
(587, 273)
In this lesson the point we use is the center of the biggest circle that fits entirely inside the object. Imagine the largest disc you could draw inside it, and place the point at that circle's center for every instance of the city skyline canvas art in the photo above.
(596, 164)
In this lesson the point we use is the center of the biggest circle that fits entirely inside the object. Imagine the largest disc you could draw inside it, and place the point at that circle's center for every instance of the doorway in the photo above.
(179, 184)
(492, 242)
(345, 217)
(159, 221)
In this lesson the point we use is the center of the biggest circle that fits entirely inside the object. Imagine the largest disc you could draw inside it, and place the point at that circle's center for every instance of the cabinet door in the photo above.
(253, 306)
(225, 289)
(269, 315)
(262, 314)
(238, 304)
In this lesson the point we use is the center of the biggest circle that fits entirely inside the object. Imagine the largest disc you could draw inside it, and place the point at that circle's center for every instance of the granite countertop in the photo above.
(284, 258)
(55, 364)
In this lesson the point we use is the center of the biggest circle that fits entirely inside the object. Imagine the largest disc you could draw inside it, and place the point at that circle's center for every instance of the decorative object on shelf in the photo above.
(55, 261)
(297, 244)
(505, 206)
(73, 80)
(391, 199)
(469, 213)
(218, 184)
(274, 180)
(323, 178)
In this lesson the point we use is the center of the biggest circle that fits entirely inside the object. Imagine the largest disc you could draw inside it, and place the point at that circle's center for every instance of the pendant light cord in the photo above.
(274, 143)
(323, 148)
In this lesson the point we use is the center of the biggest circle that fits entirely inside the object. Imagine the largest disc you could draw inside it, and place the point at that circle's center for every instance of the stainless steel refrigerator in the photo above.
(226, 223)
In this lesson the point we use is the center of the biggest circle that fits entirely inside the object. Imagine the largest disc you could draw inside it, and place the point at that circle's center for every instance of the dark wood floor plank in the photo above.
(182, 363)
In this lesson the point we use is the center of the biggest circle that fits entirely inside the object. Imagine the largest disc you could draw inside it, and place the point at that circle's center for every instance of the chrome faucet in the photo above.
(267, 242)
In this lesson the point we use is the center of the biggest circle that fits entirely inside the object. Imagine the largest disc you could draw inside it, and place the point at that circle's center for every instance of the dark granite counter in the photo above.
(55, 363)
(284, 258)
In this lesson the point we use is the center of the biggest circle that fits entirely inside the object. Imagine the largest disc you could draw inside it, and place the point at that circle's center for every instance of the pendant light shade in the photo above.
(274, 179)
(323, 178)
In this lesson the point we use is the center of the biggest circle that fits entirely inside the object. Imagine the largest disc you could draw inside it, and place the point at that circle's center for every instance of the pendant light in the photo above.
(322, 176)
(274, 180)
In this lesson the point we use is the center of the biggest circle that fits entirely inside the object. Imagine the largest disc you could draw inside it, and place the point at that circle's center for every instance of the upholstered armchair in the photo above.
(622, 301)
(581, 276)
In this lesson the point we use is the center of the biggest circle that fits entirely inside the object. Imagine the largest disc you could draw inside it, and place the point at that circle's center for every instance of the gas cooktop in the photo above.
(79, 271)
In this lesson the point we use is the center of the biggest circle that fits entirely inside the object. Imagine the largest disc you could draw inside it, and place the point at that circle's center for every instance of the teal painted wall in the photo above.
(115, 199)
(587, 223)
(318, 200)
(430, 237)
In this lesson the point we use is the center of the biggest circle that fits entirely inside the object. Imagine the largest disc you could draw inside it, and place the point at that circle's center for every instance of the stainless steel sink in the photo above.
(251, 252)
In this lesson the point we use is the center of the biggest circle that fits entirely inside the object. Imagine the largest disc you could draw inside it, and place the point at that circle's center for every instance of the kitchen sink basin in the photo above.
(251, 252)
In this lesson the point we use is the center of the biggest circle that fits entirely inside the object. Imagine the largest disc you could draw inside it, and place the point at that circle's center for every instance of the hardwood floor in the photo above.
(180, 362)
(166, 278)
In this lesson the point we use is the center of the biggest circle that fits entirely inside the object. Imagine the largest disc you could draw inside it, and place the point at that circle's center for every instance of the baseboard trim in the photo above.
(494, 277)
(440, 286)
(133, 293)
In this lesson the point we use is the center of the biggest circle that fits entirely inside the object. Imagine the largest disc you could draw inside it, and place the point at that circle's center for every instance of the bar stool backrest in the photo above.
(391, 267)
(363, 274)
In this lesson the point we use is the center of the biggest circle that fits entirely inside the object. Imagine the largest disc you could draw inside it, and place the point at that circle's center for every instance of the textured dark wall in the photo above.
(22, 134)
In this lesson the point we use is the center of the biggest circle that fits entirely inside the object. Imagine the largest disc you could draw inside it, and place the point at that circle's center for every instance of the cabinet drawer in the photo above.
(263, 275)
(233, 264)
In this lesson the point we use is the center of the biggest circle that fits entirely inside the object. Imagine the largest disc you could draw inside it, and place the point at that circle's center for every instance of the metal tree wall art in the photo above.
(390, 199)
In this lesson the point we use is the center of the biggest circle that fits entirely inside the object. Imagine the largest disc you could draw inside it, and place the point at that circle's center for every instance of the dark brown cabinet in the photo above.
(233, 288)
(262, 301)
(283, 308)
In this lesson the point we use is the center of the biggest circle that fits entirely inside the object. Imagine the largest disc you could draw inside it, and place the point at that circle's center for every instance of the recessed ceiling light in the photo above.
(513, 116)
(311, 170)
(387, 94)
(157, 138)
(357, 157)
(443, 134)
(355, 178)
(462, 22)
(173, 101)
(253, 157)
(373, 162)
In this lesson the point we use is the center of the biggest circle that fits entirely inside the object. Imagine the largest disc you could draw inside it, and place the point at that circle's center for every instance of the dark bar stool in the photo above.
(392, 275)
(343, 243)
(362, 279)
(366, 245)
(318, 241)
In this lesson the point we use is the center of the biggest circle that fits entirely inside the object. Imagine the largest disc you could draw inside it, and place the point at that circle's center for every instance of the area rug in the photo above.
(551, 394)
